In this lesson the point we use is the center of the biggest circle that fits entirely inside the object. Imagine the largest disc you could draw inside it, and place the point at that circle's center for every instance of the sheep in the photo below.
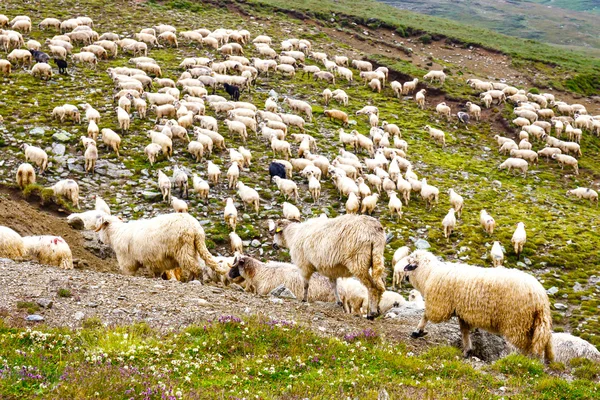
(18, 56)
(318, 245)
(483, 298)
(90, 155)
(324, 76)
(300, 106)
(248, 195)
(515, 163)
(525, 145)
(404, 187)
(67, 188)
(337, 115)
(429, 193)
(262, 278)
(47, 22)
(152, 151)
(314, 187)
(237, 127)
(5, 67)
(567, 347)
(293, 120)
(180, 180)
(395, 204)
(290, 211)
(233, 173)
(162, 243)
(527, 155)
(373, 121)
(564, 159)
(340, 96)
(444, 110)
(449, 223)
(584, 193)
(369, 203)
(497, 254)
(548, 152)
(280, 147)
(397, 88)
(456, 201)
(352, 204)
(287, 187)
(438, 135)
(213, 171)
(410, 86)
(519, 238)
(200, 186)
(49, 250)
(375, 85)
(111, 139)
(353, 295)
(420, 98)
(474, 110)
(180, 206)
(164, 184)
(37, 155)
(12, 245)
(42, 71)
(487, 222)
(196, 149)
(362, 65)
(158, 99)
(433, 76)
(389, 300)
(25, 175)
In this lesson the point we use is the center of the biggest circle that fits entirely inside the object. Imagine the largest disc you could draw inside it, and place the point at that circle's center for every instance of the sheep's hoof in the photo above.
(418, 334)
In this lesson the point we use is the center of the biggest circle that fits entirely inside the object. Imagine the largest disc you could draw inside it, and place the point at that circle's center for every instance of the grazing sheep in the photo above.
(90, 155)
(369, 203)
(164, 184)
(37, 155)
(567, 347)
(420, 98)
(180, 206)
(318, 245)
(456, 201)
(338, 115)
(49, 250)
(152, 151)
(25, 175)
(299, 106)
(248, 195)
(200, 186)
(549, 152)
(519, 238)
(497, 254)
(233, 173)
(291, 212)
(389, 300)
(433, 76)
(42, 71)
(262, 278)
(111, 139)
(353, 295)
(11, 244)
(438, 135)
(487, 222)
(230, 213)
(287, 187)
(5, 67)
(429, 193)
(449, 223)
(584, 193)
(527, 155)
(352, 204)
(484, 298)
(375, 85)
(515, 163)
(444, 110)
(67, 188)
(162, 243)
(564, 159)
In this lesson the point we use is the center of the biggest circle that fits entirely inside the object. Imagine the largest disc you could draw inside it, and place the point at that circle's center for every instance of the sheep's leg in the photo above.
(465, 331)
(420, 332)
(335, 291)
(306, 276)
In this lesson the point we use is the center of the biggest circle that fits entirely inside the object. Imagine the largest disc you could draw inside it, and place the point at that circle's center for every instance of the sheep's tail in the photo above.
(541, 340)
(205, 254)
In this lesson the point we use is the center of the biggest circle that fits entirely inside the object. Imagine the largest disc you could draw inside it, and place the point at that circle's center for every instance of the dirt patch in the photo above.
(30, 218)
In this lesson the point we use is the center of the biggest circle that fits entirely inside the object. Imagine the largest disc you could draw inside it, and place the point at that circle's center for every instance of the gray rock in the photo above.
(273, 94)
(521, 264)
(560, 306)
(276, 300)
(58, 149)
(422, 244)
(62, 136)
(255, 243)
(45, 303)
(383, 395)
(497, 184)
(151, 196)
(527, 260)
(552, 291)
(34, 318)
(37, 132)
(578, 287)
(92, 305)
(282, 292)
(79, 315)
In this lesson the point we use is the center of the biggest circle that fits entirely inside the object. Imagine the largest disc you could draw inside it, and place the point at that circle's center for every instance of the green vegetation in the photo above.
(233, 358)
(64, 293)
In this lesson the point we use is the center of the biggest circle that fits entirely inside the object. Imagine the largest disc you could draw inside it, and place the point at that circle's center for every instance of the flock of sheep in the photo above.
(333, 259)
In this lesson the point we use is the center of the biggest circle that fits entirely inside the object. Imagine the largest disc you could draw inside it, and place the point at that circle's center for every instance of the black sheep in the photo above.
(233, 91)
(40, 56)
(62, 66)
(276, 169)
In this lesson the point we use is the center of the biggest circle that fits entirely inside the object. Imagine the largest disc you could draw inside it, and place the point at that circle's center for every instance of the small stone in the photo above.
(352, 122)
(201, 302)
(552, 291)
(123, 297)
(45, 303)
(92, 305)
(58, 149)
(422, 244)
(497, 184)
(79, 315)
(255, 243)
(282, 292)
(560, 306)
(276, 300)
(578, 287)
(527, 260)
(502, 389)
(34, 318)
(486, 149)
(521, 264)
(61, 136)
(151, 196)
(37, 132)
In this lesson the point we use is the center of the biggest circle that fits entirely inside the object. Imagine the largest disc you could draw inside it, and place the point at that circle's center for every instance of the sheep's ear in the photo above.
(101, 223)
(410, 267)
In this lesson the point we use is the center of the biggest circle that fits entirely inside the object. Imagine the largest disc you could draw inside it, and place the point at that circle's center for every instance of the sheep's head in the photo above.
(417, 259)
(276, 228)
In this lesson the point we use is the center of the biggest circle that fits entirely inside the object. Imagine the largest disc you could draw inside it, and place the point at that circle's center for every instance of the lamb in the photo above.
(395, 204)
(519, 238)
(449, 223)
(90, 155)
(484, 298)
(290, 211)
(49, 250)
(152, 151)
(410, 86)
(262, 278)
(564, 159)
(300, 106)
(515, 163)
(314, 187)
(420, 98)
(164, 184)
(162, 243)
(369, 203)
(230, 214)
(67, 188)
(497, 254)
(248, 195)
(438, 135)
(111, 139)
(487, 222)
(318, 245)
(200, 186)
(37, 155)
(337, 115)
(567, 347)
(180, 206)
(237, 246)
(433, 76)
(353, 295)
(25, 175)
(11, 244)
(389, 300)
(584, 193)
(352, 204)
(429, 193)
(287, 187)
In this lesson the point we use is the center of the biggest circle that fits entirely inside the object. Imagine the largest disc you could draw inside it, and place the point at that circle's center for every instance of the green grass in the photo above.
(233, 358)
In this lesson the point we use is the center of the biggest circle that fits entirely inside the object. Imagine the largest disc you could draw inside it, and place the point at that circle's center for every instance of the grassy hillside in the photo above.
(577, 5)
(524, 19)
(376, 13)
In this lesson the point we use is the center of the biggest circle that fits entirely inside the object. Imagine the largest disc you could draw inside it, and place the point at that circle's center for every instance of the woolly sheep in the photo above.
(352, 204)
(180, 206)
(433, 76)
(487, 222)
(111, 139)
(11, 244)
(456, 201)
(237, 246)
(566, 160)
(162, 243)
(152, 151)
(67, 188)
(389, 300)
(444, 110)
(37, 155)
(395, 205)
(548, 152)
(49, 250)
(287, 187)
(164, 184)
(337, 115)
(567, 347)
(515, 163)
(248, 195)
(90, 155)
(527, 155)
(420, 98)
(429, 193)
(230, 213)
(262, 278)
(290, 211)
(25, 175)
(318, 245)
(18, 56)
(200, 186)
(584, 193)
(484, 298)
(362, 65)
(449, 223)
(519, 238)
(497, 254)
(299, 106)
(369, 203)
(353, 295)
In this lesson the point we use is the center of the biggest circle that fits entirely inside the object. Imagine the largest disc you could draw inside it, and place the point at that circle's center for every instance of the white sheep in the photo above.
(248, 195)
(299, 106)
(433, 76)
(353, 295)
(111, 139)
(487, 222)
(429, 193)
(25, 175)
(369, 203)
(497, 254)
(180, 206)
(11, 244)
(519, 238)
(567, 347)
(515, 163)
(233, 173)
(584, 193)
(389, 300)
(287, 187)
(164, 184)
(49, 250)
(230, 213)
(162, 243)
(483, 298)
(67, 188)
(395, 204)
(444, 110)
(564, 159)
(438, 135)
(200, 186)
(90, 155)
(290, 211)
(474, 110)
(456, 201)
(37, 155)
